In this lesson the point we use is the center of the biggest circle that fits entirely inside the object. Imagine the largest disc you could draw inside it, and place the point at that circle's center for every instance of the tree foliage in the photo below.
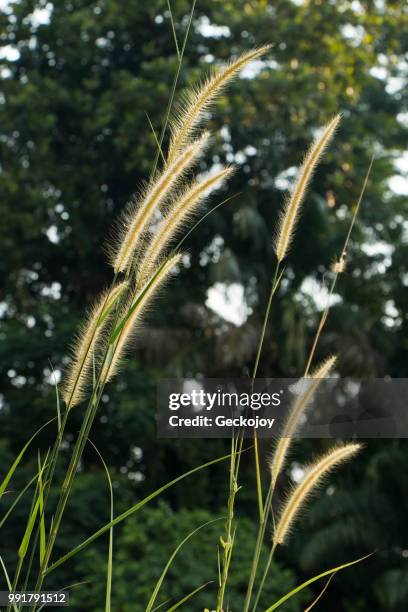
(78, 80)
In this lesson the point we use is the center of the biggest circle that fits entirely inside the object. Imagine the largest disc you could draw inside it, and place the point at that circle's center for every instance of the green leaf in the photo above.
(110, 553)
(170, 561)
(8, 581)
(13, 468)
(22, 551)
(314, 579)
(41, 508)
(17, 499)
(187, 597)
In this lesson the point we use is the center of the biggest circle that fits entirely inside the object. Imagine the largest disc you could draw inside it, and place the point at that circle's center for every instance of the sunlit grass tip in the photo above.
(301, 493)
(302, 401)
(79, 372)
(290, 213)
(138, 216)
(198, 100)
(180, 211)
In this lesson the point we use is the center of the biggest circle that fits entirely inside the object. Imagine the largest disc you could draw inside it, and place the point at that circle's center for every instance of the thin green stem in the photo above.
(274, 286)
(228, 543)
(254, 373)
(174, 87)
(173, 29)
(264, 576)
(258, 548)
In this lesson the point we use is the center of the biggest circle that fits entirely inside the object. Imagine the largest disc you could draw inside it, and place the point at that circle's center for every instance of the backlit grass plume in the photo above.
(132, 314)
(198, 101)
(291, 210)
(301, 493)
(175, 219)
(300, 405)
(138, 216)
(78, 375)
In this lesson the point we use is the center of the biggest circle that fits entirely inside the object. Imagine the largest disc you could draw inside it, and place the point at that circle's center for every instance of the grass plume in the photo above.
(291, 210)
(78, 375)
(300, 405)
(301, 493)
(197, 101)
(181, 211)
(136, 307)
(137, 218)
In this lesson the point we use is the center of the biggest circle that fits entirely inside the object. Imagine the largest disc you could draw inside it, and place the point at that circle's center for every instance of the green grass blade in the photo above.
(41, 508)
(155, 138)
(187, 597)
(57, 396)
(8, 581)
(13, 468)
(170, 561)
(110, 552)
(174, 30)
(131, 511)
(204, 216)
(22, 551)
(314, 579)
(72, 586)
(17, 499)
(174, 86)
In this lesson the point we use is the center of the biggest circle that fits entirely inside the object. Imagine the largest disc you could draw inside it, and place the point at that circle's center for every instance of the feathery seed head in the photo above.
(301, 493)
(139, 216)
(301, 403)
(289, 216)
(131, 316)
(180, 212)
(78, 375)
(198, 100)
(323, 370)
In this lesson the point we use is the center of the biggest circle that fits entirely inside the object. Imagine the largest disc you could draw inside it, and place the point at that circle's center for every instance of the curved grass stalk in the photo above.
(170, 561)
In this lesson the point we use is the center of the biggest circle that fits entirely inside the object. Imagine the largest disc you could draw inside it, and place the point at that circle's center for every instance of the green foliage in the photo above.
(142, 550)
(75, 142)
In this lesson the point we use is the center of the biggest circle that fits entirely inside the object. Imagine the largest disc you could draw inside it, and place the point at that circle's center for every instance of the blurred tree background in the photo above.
(78, 80)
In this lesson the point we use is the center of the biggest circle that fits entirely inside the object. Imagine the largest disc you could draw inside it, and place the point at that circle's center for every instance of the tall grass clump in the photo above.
(144, 254)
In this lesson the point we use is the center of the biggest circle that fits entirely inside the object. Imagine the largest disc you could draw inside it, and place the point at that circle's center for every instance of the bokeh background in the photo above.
(79, 78)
